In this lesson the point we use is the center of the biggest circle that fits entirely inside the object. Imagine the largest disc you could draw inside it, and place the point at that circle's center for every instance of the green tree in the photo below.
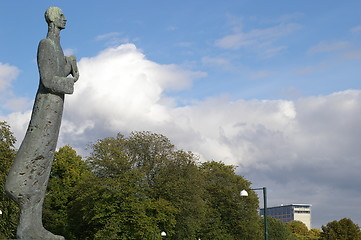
(298, 229)
(115, 208)
(180, 183)
(141, 185)
(278, 230)
(229, 216)
(313, 234)
(9, 216)
(67, 172)
(344, 229)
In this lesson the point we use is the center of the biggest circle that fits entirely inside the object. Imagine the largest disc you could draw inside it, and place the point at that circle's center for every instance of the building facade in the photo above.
(287, 213)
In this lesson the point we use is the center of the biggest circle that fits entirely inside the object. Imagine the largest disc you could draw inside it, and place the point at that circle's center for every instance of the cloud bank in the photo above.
(304, 151)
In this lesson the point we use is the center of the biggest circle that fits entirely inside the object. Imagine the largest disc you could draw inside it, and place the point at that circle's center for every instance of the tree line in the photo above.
(137, 186)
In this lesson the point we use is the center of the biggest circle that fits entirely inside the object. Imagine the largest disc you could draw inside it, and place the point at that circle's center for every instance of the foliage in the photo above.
(115, 208)
(151, 187)
(297, 227)
(313, 234)
(300, 231)
(67, 172)
(344, 229)
(278, 230)
(142, 184)
(229, 216)
(9, 216)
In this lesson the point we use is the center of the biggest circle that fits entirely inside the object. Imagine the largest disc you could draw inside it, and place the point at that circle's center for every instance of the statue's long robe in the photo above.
(28, 177)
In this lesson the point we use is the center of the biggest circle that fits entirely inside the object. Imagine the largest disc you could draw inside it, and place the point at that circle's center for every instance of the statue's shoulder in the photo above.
(46, 43)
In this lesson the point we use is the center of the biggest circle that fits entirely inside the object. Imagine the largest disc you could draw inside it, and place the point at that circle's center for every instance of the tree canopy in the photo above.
(140, 185)
(9, 216)
(344, 229)
(278, 230)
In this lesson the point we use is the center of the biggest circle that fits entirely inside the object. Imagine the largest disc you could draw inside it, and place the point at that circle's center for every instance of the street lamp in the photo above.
(162, 234)
(244, 193)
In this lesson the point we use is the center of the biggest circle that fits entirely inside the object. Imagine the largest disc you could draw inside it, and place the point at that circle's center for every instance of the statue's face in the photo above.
(60, 20)
(55, 16)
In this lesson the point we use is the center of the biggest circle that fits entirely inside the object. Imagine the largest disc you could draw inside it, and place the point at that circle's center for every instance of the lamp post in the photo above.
(244, 193)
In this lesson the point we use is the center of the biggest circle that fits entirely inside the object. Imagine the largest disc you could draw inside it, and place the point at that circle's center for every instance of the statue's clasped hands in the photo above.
(74, 68)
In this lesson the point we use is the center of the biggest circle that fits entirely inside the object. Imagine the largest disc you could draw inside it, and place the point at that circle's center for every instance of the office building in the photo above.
(287, 213)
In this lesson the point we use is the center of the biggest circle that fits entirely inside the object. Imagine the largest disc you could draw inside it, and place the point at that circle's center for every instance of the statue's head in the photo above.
(54, 15)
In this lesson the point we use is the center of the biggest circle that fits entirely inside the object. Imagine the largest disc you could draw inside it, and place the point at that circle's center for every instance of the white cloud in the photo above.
(354, 54)
(15, 104)
(328, 47)
(216, 62)
(260, 74)
(112, 39)
(273, 51)
(257, 38)
(69, 51)
(18, 122)
(120, 90)
(171, 28)
(107, 36)
(184, 44)
(311, 68)
(7, 74)
(356, 29)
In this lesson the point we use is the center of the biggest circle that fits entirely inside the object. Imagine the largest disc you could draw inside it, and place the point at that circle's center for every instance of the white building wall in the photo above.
(304, 217)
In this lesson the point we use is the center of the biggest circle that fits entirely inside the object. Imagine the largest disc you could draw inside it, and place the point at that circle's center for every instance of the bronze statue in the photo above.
(28, 178)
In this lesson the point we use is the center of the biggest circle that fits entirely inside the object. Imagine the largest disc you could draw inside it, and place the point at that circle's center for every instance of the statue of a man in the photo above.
(28, 178)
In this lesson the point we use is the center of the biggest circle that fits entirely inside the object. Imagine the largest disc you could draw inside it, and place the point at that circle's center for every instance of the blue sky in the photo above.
(270, 86)
(286, 46)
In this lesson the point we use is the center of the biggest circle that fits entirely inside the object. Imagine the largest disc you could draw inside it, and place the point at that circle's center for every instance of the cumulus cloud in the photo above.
(121, 90)
(13, 109)
(303, 150)
(18, 122)
(316, 157)
(7, 74)
(15, 104)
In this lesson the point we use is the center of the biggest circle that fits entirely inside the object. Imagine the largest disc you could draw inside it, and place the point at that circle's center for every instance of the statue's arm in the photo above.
(48, 69)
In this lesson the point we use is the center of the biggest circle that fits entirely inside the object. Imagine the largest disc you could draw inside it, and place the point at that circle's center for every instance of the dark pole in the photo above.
(265, 213)
(245, 194)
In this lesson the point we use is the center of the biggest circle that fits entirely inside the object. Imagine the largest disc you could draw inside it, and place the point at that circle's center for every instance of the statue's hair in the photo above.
(51, 13)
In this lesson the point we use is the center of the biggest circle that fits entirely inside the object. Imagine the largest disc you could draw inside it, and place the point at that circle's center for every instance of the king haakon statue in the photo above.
(28, 178)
